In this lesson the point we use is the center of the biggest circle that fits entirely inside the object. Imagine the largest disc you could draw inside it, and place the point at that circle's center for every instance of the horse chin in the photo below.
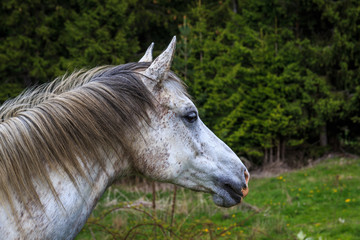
(225, 200)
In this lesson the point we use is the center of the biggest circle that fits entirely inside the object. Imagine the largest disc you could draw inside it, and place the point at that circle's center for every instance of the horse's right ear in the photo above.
(148, 54)
(160, 67)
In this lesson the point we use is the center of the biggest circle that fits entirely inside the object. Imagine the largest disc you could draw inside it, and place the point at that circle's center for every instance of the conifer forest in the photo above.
(277, 80)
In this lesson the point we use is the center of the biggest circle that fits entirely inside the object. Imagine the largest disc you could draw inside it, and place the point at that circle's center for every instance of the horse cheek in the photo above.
(153, 163)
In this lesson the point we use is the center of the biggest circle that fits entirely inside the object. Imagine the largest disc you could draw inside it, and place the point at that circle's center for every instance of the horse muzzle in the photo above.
(230, 192)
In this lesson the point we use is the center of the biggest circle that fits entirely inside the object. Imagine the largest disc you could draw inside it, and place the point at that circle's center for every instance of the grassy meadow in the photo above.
(321, 202)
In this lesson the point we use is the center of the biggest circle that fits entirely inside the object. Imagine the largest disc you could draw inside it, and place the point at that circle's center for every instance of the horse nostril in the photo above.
(245, 189)
(247, 176)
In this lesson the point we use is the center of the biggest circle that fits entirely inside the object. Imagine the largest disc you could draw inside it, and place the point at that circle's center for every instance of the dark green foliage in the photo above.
(44, 39)
(276, 80)
(9, 90)
(272, 77)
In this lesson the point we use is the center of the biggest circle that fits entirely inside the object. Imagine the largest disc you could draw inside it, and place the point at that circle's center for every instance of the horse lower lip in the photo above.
(233, 194)
(226, 200)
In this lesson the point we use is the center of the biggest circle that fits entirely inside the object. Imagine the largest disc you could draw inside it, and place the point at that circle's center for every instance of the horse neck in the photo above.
(62, 222)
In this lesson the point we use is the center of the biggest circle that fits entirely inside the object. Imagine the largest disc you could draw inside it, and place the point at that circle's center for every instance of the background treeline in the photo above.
(278, 80)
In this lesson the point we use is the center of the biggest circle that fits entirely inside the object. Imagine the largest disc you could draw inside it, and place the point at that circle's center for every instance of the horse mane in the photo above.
(67, 123)
(35, 95)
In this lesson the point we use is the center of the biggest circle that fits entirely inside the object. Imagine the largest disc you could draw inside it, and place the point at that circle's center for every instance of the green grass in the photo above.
(322, 202)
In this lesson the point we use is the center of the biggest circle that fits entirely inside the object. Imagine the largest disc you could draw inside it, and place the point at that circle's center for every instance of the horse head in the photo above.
(177, 147)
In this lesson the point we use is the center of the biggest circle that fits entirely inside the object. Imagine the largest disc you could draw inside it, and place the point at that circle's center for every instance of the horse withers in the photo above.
(64, 143)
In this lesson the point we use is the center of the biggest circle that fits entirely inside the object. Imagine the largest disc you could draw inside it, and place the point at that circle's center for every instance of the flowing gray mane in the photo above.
(36, 95)
(79, 117)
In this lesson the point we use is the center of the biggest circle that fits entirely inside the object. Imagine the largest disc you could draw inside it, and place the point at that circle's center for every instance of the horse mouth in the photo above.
(230, 194)
(227, 197)
(236, 196)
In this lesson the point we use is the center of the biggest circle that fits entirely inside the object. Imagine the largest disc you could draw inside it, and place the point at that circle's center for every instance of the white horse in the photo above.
(62, 145)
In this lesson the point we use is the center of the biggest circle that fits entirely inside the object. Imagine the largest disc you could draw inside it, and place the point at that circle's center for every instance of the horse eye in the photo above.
(191, 117)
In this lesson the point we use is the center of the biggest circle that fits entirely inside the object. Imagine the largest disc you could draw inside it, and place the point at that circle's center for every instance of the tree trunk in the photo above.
(173, 206)
(283, 150)
(276, 33)
(278, 147)
(266, 157)
(271, 155)
(153, 196)
(235, 6)
(323, 136)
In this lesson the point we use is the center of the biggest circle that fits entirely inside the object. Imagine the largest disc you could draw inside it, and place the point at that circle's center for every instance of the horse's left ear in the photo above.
(159, 68)
(148, 54)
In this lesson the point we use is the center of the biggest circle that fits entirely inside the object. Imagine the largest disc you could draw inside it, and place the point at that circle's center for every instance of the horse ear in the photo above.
(160, 67)
(148, 54)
